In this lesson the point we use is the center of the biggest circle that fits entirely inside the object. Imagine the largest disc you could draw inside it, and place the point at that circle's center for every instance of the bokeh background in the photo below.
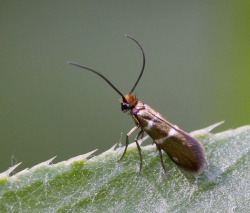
(197, 71)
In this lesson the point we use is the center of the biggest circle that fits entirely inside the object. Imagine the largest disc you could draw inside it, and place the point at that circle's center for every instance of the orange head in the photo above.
(129, 102)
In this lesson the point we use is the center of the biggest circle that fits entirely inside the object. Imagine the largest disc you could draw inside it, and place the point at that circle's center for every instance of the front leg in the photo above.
(137, 144)
(139, 148)
(127, 142)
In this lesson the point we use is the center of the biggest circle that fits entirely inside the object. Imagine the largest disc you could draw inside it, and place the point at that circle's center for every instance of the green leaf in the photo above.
(101, 184)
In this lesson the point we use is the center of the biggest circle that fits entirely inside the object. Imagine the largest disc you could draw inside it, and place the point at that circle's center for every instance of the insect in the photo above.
(183, 149)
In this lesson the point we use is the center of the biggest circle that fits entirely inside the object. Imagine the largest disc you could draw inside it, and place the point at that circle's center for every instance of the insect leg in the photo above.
(162, 164)
(127, 142)
(139, 148)
(142, 134)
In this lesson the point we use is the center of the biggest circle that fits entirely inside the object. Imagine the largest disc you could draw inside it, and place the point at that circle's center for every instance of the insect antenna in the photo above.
(102, 76)
(143, 63)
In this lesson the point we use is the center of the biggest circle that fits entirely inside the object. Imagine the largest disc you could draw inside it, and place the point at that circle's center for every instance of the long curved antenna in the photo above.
(103, 77)
(143, 63)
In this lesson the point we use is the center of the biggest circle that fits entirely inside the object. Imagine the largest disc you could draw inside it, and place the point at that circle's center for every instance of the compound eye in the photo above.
(125, 107)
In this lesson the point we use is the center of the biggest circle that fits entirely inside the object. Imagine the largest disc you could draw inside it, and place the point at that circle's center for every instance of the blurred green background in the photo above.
(197, 71)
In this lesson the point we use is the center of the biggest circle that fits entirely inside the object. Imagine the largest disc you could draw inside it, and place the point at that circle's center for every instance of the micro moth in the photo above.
(183, 149)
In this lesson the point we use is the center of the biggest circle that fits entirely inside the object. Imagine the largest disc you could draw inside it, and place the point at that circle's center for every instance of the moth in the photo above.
(183, 149)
